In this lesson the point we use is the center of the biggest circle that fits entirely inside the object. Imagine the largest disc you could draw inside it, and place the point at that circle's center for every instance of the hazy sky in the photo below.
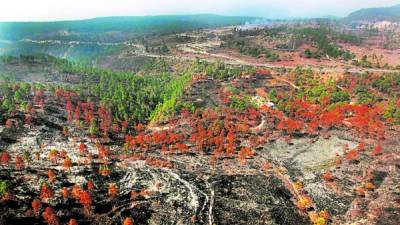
(27, 10)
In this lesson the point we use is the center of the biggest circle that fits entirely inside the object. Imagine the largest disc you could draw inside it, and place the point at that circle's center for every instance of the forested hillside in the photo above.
(113, 29)
(376, 14)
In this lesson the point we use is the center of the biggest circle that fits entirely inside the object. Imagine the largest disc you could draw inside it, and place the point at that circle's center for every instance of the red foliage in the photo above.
(144, 193)
(112, 190)
(164, 149)
(19, 162)
(367, 120)
(76, 191)
(185, 113)
(106, 120)
(53, 156)
(352, 85)
(46, 192)
(90, 185)
(77, 113)
(377, 150)
(51, 176)
(68, 108)
(158, 163)
(290, 125)
(304, 202)
(72, 222)
(124, 125)
(370, 186)
(230, 150)
(262, 72)
(102, 152)
(104, 171)
(128, 221)
(312, 127)
(352, 155)
(4, 158)
(358, 122)
(261, 92)
(182, 147)
(328, 176)
(88, 111)
(39, 98)
(361, 147)
(85, 199)
(36, 204)
(82, 148)
(331, 118)
(59, 92)
(244, 153)
(50, 216)
(140, 140)
(139, 127)
(67, 164)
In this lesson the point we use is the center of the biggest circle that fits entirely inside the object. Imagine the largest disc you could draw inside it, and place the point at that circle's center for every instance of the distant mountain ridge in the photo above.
(376, 14)
(114, 28)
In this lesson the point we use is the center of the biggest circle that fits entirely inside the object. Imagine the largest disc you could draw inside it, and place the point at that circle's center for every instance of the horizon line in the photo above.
(177, 14)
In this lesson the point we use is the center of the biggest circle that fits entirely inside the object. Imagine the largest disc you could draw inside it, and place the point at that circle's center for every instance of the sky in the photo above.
(47, 10)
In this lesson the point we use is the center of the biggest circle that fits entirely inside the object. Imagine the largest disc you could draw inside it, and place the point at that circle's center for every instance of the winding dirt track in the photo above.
(237, 61)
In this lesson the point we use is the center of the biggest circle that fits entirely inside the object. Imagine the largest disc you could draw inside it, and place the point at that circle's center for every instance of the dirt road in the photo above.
(210, 57)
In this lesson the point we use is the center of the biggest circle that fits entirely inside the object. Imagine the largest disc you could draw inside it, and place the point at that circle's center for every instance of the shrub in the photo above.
(128, 221)
(85, 199)
(50, 216)
(72, 222)
(240, 103)
(36, 204)
(340, 96)
(4, 158)
(3, 187)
